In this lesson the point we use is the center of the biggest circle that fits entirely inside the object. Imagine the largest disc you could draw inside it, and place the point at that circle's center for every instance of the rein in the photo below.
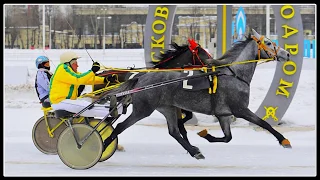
(194, 50)
(183, 69)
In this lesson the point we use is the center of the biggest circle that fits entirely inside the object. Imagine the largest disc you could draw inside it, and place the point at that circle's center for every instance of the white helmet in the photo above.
(68, 56)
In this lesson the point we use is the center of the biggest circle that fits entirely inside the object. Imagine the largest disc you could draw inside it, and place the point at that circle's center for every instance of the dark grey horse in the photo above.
(231, 97)
(190, 55)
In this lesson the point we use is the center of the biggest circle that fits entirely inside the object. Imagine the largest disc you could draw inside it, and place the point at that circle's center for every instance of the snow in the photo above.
(151, 151)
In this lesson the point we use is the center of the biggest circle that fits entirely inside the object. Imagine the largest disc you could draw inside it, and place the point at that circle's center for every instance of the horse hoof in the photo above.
(203, 133)
(199, 156)
(286, 143)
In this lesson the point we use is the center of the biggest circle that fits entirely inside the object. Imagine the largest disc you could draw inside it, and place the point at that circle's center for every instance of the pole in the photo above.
(224, 22)
(109, 17)
(275, 27)
(50, 31)
(104, 34)
(268, 21)
(95, 34)
(43, 27)
(28, 27)
(204, 32)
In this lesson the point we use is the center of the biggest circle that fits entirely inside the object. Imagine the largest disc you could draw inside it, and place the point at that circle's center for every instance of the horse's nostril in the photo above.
(288, 55)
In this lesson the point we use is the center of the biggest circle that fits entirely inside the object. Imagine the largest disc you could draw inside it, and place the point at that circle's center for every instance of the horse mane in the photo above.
(236, 49)
(175, 51)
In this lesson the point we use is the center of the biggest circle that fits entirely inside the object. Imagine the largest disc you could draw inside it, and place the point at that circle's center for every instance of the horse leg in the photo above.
(225, 126)
(181, 122)
(253, 118)
(182, 129)
(170, 114)
(188, 116)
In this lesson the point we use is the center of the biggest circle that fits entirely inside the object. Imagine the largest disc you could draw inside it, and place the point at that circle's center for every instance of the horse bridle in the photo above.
(195, 55)
(261, 46)
(272, 53)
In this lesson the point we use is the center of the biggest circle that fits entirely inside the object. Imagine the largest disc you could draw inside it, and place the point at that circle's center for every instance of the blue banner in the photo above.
(307, 48)
(314, 46)
(240, 23)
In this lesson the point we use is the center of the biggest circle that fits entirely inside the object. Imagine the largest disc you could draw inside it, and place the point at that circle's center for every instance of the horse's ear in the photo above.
(254, 32)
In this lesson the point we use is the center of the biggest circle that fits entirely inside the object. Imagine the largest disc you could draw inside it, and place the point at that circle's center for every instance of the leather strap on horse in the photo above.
(214, 80)
(205, 70)
(271, 53)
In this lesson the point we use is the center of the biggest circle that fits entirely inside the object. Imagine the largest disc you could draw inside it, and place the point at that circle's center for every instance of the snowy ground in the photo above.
(151, 151)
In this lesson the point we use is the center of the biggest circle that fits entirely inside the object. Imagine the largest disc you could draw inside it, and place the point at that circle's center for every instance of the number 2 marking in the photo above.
(185, 82)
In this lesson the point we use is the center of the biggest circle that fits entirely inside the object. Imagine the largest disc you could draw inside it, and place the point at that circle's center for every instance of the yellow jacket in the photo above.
(64, 83)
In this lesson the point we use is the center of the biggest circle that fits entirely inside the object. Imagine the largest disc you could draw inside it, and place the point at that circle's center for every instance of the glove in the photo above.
(110, 78)
(95, 67)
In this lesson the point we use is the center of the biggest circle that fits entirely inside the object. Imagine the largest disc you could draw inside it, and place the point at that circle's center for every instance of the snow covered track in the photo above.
(150, 150)
(143, 158)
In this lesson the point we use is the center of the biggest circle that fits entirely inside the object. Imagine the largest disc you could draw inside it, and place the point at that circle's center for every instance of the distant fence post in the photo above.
(307, 47)
(314, 46)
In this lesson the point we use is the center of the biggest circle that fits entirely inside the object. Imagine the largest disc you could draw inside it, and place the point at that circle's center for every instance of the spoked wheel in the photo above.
(80, 158)
(41, 138)
(105, 131)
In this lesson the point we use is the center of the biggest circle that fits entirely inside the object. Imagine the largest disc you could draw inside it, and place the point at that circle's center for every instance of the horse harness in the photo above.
(194, 48)
(271, 53)
(261, 46)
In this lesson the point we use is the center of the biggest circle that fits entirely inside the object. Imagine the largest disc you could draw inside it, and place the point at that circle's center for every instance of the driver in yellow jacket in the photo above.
(64, 87)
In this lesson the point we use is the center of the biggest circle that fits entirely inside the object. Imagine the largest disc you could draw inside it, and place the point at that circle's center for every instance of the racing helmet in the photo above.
(68, 56)
(40, 60)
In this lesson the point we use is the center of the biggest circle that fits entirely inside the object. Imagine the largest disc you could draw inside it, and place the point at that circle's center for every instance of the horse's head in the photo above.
(183, 56)
(268, 49)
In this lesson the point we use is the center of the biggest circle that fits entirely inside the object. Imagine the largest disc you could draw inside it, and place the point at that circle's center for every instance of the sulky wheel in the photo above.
(86, 156)
(41, 138)
(105, 131)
